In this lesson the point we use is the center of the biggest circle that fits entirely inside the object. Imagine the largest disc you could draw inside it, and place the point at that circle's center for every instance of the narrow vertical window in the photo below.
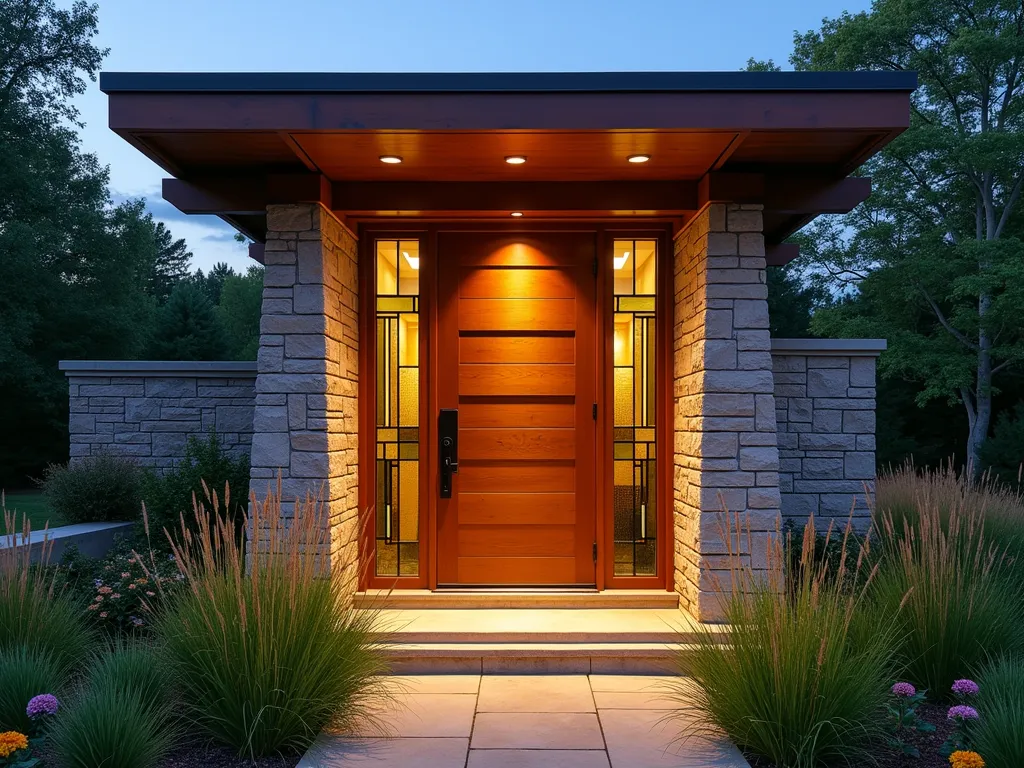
(398, 407)
(634, 497)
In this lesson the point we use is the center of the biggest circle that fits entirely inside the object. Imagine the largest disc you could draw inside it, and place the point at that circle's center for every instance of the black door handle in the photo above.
(448, 448)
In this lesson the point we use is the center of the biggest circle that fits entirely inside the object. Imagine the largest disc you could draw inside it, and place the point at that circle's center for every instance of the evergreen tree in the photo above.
(188, 327)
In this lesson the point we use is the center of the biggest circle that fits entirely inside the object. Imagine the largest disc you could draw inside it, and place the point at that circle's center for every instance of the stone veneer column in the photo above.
(726, 453)
(306, 417)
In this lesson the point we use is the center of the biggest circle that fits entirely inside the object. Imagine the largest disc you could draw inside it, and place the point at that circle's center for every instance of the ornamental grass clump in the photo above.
(25, 673)
(131, 664)
(940, 577)
(998, 734)
(802, 677)
(267, 650)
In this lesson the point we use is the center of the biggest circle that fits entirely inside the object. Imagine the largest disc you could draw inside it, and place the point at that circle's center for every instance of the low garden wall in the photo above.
(147, 410)
(825, 410)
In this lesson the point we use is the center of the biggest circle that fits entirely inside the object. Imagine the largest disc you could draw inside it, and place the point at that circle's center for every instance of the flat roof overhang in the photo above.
(238, 141)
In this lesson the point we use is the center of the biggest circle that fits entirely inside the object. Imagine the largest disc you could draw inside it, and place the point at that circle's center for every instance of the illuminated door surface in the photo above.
(517, 356)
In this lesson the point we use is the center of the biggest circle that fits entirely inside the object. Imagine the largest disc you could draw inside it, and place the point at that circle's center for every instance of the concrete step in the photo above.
(425, 598)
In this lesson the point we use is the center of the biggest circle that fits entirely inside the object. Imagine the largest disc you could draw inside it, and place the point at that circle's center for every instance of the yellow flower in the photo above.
(11, 742)
(964, 759)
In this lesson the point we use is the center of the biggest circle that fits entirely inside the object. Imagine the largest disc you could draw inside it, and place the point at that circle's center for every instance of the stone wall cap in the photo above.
(829, 347)
(159, 368)
(60, 532)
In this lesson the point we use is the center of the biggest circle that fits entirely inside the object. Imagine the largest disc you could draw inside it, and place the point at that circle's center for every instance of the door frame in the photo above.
(427, 232)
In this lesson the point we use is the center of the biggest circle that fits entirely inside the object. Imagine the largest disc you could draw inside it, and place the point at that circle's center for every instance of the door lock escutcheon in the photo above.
(448, 448)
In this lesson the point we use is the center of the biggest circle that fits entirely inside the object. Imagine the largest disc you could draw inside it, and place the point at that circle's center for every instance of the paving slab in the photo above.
(537, 758)
(338, 752)
(643, 738)
(536, 730)
(438, 683)
(542, 693)
(422, 715)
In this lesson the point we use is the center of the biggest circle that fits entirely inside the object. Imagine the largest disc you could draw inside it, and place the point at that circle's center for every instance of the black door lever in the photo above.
(448, 448)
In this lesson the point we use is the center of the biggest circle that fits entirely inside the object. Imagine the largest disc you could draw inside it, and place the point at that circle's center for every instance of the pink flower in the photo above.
(103, 614)
(150, 594)
(131, 586)
(125, 574)
(962, 712)
(93, 607)
(904, 690)
(965, 687)
(105, 590)
(98, 598)
(43, 704)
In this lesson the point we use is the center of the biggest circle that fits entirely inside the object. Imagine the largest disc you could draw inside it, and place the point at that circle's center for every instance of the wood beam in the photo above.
(781, 254)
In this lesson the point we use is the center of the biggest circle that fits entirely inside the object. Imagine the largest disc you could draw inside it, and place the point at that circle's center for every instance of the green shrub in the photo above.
(1003, 452)
(267, 658)
(25, 673)
(108, 725)
(94, 489)
(169, 497)
(801, 676)
(999, 733)
(940, 579)
(134, 666)
(34, 613)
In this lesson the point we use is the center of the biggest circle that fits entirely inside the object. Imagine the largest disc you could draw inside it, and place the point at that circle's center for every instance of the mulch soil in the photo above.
(927, 743)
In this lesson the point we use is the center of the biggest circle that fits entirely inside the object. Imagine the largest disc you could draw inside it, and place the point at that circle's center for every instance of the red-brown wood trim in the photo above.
(300, 153)
(723, 158)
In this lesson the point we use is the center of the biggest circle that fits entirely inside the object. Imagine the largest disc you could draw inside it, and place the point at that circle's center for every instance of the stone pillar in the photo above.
(306, 420)
(726, 455)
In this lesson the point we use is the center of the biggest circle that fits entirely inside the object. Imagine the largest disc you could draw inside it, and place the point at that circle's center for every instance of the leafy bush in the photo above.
(1003, 452)
(94, 489)
(112, 725)
(34, 614)
(266, 658)
(205, 471)
(999, 733)
(940, 579)
(25, 673)
(801, 677)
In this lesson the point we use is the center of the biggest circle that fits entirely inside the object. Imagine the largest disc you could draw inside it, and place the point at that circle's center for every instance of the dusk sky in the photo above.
(415, 36)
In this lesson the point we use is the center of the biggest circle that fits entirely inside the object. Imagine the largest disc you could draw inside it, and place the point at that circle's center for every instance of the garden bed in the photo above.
(206, 756)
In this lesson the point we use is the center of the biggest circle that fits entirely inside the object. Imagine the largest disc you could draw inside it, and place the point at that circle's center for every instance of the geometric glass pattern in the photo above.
(634, 499)
(398, 407)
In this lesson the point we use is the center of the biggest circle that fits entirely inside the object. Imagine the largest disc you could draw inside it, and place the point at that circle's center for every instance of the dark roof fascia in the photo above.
(500, 82)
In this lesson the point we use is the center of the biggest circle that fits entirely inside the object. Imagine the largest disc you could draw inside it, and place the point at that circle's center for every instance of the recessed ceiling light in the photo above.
(390, 159)
(414, 261)
(517, 214)
(515, 159)
(620, 261)
(638, 158)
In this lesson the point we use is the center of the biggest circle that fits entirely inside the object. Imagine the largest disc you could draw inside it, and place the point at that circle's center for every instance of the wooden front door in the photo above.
(517, 326)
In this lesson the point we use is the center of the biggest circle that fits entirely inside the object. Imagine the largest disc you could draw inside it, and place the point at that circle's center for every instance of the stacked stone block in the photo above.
(147, 410)
(825, 401)
(726, 456)
(306, 416)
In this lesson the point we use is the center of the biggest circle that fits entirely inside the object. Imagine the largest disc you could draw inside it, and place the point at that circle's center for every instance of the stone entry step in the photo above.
(424, 598)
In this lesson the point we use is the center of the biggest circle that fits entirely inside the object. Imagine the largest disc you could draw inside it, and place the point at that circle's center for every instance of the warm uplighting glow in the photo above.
(516, 214)
(620, 261)
(414, 261)
(515, 159)
(638, 158)
(390, 159)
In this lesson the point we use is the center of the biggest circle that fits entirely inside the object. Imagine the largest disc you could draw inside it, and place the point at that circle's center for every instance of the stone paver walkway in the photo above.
(559, 721)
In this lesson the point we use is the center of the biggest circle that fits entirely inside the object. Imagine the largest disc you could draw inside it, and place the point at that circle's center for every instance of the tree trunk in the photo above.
(982, 416)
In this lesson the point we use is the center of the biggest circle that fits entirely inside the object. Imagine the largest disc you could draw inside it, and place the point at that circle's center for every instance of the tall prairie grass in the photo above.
(802, 676)
(266, 648)
(999, 733)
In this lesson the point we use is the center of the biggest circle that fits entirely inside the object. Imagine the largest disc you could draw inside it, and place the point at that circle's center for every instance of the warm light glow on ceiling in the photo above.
(620, 261)
(390, 159)
(515, 159)
(414, 261)
(638, 158)
(517, 214)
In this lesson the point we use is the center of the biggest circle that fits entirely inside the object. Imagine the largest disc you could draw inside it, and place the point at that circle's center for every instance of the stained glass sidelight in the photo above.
(634, 496)
(398, 404)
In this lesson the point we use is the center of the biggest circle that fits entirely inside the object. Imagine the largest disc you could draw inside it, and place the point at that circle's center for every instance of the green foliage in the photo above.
(941, 579)
(94, 489)
(168, 497)
(999, 734)
(131, 665)
(1003, 453)
(801, 677)
(267, 656)
(188, 327)
(25, 673)
(241, 303)
(110, 724)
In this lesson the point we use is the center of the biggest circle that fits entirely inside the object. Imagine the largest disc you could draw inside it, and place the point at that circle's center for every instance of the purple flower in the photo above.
(43, 704)
(962, 712)
(965, 688)
(904, 690)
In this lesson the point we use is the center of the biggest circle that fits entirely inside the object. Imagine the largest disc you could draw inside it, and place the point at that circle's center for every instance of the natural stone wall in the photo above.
(306, 392)
(147, 410)
(725, 448)
(825, 407)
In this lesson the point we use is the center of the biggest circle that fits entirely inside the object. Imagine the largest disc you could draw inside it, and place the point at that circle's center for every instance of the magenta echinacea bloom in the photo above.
(962, 712)
(965, 687)
(904, 690)
(43, 704)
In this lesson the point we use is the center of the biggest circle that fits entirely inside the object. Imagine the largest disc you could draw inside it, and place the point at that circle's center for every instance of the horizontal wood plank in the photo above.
(517, 349)
(537, 477)
(511, 571)
(516, 283)
(517, 541)
(511, 444)
(517, 314)
(538, 412)
(535, 509)
(488, 379)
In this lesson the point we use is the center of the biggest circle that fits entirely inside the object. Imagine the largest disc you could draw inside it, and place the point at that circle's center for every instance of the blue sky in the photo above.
(416, 36)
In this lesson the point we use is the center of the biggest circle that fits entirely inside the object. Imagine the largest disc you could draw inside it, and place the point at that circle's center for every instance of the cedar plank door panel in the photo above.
(517, 329)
